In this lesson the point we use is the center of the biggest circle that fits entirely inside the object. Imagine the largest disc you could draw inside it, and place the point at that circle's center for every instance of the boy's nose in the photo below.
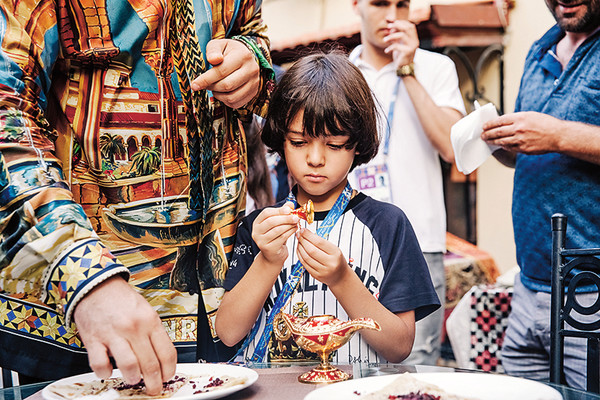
(315, 156)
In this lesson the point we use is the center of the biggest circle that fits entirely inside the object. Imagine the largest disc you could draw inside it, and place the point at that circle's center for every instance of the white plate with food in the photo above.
(191, 381)
(446, 385)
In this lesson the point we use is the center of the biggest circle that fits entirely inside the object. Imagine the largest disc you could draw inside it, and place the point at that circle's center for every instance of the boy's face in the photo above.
(320, 165)
(376, 15)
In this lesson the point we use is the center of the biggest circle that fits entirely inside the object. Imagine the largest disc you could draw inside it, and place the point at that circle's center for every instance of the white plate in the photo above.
(185, 392)
(479, 386)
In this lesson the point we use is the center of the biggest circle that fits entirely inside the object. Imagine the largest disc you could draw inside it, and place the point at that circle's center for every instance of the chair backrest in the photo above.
(573, 268)
(8, 378)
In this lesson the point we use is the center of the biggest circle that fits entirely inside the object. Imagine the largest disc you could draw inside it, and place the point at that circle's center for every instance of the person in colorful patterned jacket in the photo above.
(121, 158)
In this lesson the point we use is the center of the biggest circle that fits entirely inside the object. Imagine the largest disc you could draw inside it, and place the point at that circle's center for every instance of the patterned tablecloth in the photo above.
(477, 326)
(488, 316)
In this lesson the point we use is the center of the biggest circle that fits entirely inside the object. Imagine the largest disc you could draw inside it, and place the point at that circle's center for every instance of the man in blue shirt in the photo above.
(553, 141)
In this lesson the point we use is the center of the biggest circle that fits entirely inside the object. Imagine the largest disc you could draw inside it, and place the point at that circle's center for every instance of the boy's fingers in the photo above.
(286, 208)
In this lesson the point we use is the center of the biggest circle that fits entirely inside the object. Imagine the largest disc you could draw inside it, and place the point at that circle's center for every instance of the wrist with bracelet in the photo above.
(406, 70)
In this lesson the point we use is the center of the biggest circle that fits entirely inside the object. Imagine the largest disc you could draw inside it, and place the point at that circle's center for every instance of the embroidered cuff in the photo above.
(82, 267)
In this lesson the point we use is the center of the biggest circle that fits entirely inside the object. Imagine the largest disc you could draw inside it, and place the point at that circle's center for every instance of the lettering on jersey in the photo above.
(361, 273)
(181, 329)
(306, 286)
(243, 249)
(280, 282)
(268, 304)
(354, 360)
(370, 282)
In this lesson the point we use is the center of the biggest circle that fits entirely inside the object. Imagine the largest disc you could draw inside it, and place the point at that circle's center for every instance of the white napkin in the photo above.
(470, 151)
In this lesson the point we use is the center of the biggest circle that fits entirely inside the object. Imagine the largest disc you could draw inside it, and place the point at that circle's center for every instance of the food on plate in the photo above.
(214, 383)
(406, 387)
(117, 388)
(120, 388)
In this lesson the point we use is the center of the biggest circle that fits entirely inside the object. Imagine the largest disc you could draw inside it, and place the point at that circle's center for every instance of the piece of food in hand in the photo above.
(406, 387)
(306, 212)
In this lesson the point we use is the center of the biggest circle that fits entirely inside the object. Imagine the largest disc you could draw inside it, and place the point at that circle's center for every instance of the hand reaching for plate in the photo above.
(114, 320)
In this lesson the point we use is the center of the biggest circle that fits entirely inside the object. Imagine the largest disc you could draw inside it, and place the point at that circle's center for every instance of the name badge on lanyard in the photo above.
(374, 179)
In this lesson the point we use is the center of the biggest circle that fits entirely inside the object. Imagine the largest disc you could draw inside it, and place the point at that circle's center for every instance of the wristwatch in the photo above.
(406, 70)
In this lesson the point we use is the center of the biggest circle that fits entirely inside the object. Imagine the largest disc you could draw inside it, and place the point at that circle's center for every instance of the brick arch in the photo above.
(132, 146)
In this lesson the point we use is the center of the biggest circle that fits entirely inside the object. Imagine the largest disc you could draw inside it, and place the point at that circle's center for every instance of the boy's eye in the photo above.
(297, 143)
(336, 146)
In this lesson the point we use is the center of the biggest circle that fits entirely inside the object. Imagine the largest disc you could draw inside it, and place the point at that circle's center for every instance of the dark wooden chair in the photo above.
(572, 268)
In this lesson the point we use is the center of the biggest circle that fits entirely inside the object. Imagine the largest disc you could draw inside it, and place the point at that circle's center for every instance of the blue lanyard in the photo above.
(292, 282)
(390, 119)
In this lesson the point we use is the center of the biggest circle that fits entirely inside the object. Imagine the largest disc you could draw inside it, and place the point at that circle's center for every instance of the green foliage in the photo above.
(111, 145)
(145, 161)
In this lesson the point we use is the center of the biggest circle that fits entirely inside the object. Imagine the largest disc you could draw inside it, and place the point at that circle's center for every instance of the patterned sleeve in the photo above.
(49, 251)
(250, 29)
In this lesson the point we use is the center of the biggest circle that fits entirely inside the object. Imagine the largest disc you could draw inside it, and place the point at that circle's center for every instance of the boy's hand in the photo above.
(270, 231)
(321, 258)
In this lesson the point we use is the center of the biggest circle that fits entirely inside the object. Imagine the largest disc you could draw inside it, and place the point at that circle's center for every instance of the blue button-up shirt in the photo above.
(550, 183)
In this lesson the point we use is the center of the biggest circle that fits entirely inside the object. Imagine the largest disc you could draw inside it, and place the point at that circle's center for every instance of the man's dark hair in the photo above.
(335, 98)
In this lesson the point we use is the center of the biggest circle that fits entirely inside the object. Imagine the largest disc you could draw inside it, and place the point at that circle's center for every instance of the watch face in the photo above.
(406, 70)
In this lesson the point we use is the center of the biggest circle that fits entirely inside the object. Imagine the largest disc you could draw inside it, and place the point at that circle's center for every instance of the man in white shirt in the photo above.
(420, 101)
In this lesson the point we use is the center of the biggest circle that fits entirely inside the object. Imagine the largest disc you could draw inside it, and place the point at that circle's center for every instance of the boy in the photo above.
(323, 122)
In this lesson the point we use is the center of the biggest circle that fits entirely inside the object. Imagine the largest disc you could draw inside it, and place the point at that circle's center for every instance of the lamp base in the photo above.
(324, 374)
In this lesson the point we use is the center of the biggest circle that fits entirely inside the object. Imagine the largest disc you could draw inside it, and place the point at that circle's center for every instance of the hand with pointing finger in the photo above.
(234, 77)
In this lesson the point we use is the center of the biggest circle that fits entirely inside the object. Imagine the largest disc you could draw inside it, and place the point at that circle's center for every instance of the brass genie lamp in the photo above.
(320, 334)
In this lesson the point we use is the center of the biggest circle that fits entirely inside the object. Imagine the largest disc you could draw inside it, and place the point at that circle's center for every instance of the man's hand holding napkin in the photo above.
(470, 151)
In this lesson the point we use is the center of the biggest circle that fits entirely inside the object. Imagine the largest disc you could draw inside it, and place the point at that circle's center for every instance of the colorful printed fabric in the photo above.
(110, 164)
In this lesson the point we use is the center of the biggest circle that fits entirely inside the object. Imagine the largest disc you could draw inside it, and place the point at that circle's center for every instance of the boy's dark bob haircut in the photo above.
(335, 98)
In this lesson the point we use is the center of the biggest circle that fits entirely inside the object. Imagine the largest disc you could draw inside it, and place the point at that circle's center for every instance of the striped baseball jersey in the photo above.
(381, 247)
